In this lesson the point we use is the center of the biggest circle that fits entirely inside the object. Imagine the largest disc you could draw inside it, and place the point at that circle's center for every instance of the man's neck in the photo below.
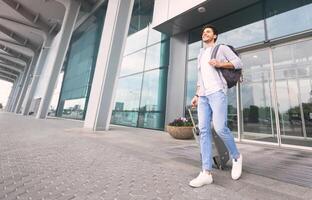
(209, 44)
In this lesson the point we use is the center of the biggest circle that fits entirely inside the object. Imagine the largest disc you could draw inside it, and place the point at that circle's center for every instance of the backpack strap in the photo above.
(215, 51)
(214, 56)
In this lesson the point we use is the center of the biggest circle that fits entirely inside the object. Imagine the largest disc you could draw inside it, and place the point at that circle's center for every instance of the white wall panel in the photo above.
(168, 9)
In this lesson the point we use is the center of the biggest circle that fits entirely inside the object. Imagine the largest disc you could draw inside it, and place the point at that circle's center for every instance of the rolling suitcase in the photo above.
(220, 153)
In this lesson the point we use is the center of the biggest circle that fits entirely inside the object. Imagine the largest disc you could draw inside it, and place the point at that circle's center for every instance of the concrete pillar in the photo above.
(59, 53)
(35, 79)
(176, 77)
(10, 99)
(21, 97)
(107, 68)
(18, 89)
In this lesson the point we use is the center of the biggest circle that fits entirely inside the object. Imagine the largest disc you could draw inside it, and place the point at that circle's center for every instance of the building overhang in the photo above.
(193, 18)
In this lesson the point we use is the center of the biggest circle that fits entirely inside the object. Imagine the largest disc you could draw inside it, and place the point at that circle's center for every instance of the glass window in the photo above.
(153, 101)
(126, 118)
(191, 82)
(245, 35)
(193, 49)
(239, 30)
(74, 108)
(154, 90)
(288, 17)
(128, 93)
(148, 47)
(133, 63)
(256, 90)
(79, 66)
(157, 55)
(136, 41)
(236, 29)
(294, 91)
(127, 101)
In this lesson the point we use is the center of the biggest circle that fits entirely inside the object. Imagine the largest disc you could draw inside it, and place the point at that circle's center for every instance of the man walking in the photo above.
(211, 99)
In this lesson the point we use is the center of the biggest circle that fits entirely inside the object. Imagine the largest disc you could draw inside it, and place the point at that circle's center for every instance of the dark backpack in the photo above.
(232, 76)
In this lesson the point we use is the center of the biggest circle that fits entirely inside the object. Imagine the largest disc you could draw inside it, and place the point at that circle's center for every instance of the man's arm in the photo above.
(233, 60)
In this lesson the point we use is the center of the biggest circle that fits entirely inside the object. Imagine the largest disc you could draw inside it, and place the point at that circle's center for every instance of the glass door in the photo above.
(256, 96)
(292, 68)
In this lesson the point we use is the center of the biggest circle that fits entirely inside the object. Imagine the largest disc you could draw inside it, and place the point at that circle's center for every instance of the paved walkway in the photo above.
(57, 159)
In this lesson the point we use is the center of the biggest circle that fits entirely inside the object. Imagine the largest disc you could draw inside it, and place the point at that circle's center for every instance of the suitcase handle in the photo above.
(192, 119)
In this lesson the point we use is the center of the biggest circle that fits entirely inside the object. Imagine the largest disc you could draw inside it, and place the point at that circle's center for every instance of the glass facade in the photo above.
(79, 67)
(276, 94)
(141, 92)
(287, 17)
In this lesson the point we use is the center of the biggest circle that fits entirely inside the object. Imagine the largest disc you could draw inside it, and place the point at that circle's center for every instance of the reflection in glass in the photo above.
(128, 93)
(193, 49)
(133, 63)
(232, 110)
(292, 64)
(157, 55)
(153, 101)
(288, 17)
(245, 35)
(74, 108)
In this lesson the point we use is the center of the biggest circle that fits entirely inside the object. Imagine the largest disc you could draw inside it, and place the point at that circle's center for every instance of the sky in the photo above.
(5, 89)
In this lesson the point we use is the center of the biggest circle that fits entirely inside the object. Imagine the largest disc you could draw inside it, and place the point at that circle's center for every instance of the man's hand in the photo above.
(215, 63)
(194, 101)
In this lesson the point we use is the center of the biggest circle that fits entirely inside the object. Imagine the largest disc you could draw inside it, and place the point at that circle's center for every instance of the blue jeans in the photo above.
(214, 108)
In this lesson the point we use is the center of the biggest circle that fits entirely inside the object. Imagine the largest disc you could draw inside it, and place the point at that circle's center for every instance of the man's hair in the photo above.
(213, 28)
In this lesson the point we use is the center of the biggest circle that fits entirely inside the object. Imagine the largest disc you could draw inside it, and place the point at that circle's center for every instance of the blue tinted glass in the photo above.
(133, 63)
(289, 22)
(245, 35)
(79, 66)
(154, 90)
(193, 49)
(127, 118)
(128, 93)
(157, 55)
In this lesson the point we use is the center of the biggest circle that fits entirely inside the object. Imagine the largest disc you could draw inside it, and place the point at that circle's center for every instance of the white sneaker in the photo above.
(202, 179)
(237, 167)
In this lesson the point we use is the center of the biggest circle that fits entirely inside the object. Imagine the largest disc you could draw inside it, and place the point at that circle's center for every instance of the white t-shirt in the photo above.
(211, 79)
